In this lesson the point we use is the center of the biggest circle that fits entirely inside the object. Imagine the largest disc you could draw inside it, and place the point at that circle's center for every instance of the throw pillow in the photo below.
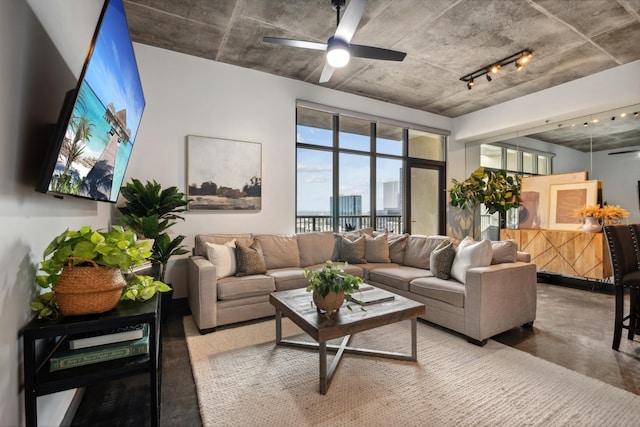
(377, 248)
(249, 259)
(397, 244)
(504, 251)
(470, 254)
(223, 258)
(441, 260)
(353, 252)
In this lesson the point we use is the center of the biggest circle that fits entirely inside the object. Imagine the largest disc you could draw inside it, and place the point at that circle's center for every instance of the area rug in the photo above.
(243, 379)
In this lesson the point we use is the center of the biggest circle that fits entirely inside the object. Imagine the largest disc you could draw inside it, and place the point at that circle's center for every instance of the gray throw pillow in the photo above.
(353, 251)
(441, 260)
(249, 259)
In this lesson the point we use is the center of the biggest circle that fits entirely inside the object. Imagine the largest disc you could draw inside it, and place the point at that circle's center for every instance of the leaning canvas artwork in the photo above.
(223, 174)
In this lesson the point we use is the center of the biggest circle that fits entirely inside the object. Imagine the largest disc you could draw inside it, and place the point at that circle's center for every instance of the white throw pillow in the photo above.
(223, 257)
(470, 254)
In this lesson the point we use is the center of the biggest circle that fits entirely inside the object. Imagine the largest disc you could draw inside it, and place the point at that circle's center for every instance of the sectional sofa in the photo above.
(479, 289)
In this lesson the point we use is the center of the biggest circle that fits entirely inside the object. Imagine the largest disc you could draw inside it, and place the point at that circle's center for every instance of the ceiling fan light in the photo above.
(337, 53)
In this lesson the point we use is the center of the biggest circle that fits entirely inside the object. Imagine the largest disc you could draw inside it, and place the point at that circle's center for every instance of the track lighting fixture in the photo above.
(520, 59)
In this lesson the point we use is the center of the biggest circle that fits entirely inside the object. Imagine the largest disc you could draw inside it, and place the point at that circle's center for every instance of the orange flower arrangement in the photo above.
(607, 212)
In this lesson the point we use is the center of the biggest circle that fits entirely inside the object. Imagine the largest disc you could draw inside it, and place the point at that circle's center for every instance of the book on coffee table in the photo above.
(373, 296)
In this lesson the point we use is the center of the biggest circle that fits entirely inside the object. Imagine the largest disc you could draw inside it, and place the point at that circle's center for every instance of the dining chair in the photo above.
(624, 252)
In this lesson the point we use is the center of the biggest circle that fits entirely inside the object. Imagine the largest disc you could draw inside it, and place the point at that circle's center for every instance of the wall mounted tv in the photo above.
(93, 138)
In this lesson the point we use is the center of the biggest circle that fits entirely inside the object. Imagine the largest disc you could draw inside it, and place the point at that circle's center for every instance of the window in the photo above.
(351, 171)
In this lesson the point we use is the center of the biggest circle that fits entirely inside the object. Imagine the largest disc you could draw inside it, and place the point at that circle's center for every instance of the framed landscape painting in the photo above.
(565, 199)
(223, 174)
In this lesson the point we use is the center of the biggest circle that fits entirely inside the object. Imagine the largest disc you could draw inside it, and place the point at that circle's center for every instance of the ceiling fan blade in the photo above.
(376, 53)
(350, 20)
(327, 72)
(296, 43)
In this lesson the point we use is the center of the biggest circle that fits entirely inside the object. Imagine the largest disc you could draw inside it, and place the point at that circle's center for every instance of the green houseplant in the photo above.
(118, 249)
(150, 211)
(331, 286)
(496, 190)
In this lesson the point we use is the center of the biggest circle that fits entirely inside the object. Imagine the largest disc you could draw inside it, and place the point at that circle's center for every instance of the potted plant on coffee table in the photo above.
(150, 211)
(331, 286)
(83, 272)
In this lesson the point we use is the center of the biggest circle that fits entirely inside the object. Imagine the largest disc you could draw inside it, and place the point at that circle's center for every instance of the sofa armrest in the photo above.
(499, 297)
(202, 291)
(523, 256)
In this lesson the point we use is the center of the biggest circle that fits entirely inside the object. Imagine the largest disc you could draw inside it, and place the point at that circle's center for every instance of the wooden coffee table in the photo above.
(297, 305)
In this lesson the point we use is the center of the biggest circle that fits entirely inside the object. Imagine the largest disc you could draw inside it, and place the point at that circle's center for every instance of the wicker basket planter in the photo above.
(88, 289)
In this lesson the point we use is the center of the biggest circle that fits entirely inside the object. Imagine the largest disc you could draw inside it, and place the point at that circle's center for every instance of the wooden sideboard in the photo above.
(574, 253)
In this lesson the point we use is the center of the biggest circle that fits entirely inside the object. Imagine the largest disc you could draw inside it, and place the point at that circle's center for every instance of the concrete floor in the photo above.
(574, 329)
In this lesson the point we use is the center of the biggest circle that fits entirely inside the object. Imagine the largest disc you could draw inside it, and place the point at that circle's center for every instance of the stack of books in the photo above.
(100, 347)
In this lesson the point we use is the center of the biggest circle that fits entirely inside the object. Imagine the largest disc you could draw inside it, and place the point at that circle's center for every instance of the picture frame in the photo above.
(534, 192)
(223, 174)
(564, 199)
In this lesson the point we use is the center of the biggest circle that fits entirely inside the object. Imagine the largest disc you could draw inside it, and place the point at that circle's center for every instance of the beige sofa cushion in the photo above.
(504, 251)
(219, 239)
(230, 288)
(279, 250)
(397, 245)
(315, 248)
(377, 248)
(419, 250)
(397, 277)
(447, 291)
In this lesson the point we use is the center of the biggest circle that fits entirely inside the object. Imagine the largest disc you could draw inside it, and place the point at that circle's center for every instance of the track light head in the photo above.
(519, 59)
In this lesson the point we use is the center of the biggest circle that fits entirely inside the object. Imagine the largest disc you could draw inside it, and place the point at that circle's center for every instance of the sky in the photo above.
(112, 72)
(315, 168)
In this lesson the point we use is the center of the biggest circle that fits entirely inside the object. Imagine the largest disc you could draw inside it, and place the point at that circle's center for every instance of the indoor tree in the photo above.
(495, 189)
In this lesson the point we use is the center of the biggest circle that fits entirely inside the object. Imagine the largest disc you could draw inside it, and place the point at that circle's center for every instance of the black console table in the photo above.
(39, 380)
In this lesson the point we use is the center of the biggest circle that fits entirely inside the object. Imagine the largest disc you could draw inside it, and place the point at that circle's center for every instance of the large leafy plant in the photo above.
(150, 211)
(118, 248)
(496, 190)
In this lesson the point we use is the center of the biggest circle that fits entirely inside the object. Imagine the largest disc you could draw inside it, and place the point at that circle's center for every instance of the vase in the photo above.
(591, 224)
(330, 304)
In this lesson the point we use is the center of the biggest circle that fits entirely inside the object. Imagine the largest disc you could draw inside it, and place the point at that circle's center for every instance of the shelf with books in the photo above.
(51, 336)
(65, 359)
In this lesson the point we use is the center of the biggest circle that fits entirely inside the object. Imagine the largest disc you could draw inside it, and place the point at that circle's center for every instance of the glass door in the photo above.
(426, 207)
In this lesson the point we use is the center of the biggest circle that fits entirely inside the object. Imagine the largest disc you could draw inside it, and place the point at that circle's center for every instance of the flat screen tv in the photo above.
(93, 138)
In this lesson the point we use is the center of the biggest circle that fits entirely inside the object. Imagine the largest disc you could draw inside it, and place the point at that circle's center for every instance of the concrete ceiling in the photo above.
(444, 40)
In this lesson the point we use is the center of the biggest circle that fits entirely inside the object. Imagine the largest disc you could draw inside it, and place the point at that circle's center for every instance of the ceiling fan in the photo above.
(338, 48)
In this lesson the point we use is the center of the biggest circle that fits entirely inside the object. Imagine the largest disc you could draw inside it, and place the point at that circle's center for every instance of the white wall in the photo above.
(34, 79)
(193, 96)
(619, 174)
